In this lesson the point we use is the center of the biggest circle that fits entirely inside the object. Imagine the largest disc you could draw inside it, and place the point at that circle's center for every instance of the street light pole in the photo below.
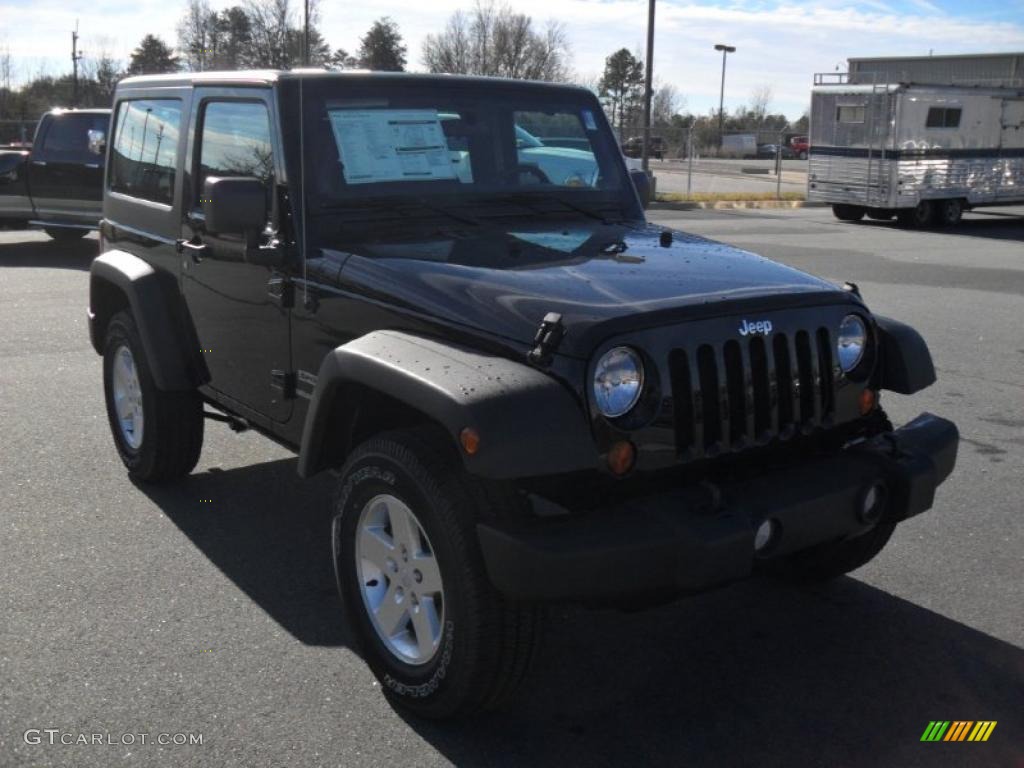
(648, 85)
(726, 50)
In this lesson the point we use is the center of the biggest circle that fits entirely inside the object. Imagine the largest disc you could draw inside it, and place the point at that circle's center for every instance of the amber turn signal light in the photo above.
(470, 440)
(621, 457)
(867, 401)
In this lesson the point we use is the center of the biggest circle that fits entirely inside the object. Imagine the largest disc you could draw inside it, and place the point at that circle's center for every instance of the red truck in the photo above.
(801, 146)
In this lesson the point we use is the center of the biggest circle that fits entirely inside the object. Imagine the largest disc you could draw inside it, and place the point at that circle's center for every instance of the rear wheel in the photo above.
(880, 214)
(158, 434)
(845, 212)
(950, 212)
(803, 155)
(435, 632)
(62, 235)
(920, 216)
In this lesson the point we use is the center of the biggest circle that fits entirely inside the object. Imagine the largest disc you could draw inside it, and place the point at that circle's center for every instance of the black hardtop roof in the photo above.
(265, 77)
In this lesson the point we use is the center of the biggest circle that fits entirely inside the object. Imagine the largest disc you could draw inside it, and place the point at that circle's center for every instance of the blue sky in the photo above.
(780, 44)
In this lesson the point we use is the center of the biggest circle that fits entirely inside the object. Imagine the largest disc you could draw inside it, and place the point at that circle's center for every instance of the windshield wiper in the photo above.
(525, 198)
(400, 206)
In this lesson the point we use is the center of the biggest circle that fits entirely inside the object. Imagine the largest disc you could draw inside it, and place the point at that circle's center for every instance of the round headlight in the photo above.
(618, 380)
(853, 337)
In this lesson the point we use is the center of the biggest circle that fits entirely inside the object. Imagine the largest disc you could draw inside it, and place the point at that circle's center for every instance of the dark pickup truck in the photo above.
(58, 183)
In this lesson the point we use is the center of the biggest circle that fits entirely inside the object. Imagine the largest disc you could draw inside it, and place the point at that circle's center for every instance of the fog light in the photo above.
(872, 502)
(765, 535)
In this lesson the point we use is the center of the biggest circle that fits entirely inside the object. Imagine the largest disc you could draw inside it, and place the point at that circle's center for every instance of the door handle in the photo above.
(195, 250)
(94, 166)
(41, 163)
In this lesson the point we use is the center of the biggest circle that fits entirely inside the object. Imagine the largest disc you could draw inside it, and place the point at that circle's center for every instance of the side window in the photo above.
(145, 149)
(943, 117)
(849, 114)
(67, 138)
(235, 141)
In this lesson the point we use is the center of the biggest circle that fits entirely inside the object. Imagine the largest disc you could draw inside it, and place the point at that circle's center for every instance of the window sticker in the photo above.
(378, 145)
(588, 120)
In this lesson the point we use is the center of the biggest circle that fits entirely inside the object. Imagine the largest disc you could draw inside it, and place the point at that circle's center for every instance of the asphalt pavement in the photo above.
(129, 610)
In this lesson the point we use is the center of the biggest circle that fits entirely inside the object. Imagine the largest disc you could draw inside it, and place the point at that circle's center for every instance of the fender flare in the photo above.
(906, 364)
(146, 292)
(529, 423)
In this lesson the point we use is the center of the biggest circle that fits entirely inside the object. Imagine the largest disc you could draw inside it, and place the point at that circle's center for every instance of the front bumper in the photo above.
(693, 539)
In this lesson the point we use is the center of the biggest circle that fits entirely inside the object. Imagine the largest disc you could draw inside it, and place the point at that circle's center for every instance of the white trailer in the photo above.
(921, 152)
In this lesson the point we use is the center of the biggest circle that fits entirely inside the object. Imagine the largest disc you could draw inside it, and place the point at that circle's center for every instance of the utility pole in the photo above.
(726, 50)
(648, 85)
(76, 56)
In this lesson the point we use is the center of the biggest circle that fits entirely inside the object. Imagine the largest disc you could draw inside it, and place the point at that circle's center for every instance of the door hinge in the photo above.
(282, 289)
(284, 381)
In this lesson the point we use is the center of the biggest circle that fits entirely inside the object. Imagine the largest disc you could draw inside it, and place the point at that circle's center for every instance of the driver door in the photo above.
(238, 309)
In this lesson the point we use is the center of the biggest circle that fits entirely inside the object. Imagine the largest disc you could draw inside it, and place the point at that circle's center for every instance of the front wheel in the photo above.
(438, 636)
(62, 235)
(158, 434)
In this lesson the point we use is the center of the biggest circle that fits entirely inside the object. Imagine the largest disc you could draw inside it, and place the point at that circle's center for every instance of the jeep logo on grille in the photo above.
(757, 328)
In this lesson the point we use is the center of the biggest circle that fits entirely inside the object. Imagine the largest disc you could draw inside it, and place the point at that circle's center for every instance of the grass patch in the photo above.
(714, 197)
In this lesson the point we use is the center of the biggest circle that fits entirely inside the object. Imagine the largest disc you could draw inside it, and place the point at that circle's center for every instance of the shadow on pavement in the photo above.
(761, 673)
(48, 253)
(991, 226)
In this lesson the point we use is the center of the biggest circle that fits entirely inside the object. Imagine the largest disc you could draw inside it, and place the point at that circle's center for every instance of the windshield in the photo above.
(467, 150)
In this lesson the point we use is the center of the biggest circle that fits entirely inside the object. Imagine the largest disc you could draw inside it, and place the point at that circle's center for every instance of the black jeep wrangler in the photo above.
(527, 392)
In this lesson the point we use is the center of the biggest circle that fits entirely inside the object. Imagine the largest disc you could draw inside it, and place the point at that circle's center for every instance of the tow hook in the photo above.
(547, 339)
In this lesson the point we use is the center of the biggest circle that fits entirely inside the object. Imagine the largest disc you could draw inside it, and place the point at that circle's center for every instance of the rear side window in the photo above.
(67, 138)
(849, 114)
(943, 117)
(145, 149)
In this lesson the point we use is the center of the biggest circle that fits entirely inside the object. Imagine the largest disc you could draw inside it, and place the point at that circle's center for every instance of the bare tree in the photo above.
(760, 102)
(101, 71)
(6, 75)
(493, 40)
(665, 104)
(270, 22)
(197, 26)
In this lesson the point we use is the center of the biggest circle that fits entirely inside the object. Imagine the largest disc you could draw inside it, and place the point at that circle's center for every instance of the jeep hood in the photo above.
(600, 278)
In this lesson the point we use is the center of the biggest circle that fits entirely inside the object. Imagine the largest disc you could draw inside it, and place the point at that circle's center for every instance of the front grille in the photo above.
(743, 393)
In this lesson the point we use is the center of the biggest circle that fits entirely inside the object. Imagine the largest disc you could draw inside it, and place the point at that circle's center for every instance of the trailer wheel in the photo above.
(879, 214)
(950, 212)
(920, 216)
(845, 212)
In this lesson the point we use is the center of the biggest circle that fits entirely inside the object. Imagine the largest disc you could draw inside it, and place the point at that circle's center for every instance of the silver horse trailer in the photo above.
(921, 152)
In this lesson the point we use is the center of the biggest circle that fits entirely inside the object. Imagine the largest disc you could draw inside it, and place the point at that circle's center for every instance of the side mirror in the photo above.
(644, 186)
(234, 206)
(97, 141)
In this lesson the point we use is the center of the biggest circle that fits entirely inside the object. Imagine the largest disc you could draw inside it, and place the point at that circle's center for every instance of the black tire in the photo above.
(486, 641)
(950, 212)
(62, 235)
(920, 216)
(803, 155)
(880, 214)
(845, 212)
(830, 561)
(172, 432)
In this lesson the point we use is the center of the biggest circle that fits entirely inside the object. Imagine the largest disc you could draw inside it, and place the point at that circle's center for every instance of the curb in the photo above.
(732, 204)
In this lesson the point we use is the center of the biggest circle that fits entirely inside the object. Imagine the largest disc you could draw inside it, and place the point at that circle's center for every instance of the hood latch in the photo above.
(547, 339)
